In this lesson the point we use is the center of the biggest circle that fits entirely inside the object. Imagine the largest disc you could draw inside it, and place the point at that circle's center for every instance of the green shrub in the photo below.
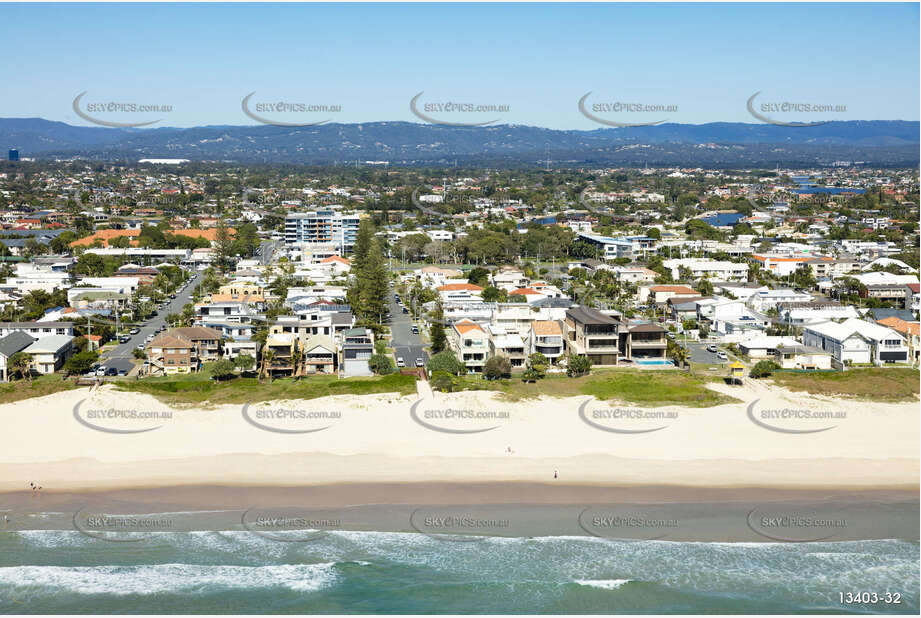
(447, 362)
(763, 369)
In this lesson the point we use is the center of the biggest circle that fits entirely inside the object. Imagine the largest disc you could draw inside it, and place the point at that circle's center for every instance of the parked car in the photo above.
(101, 371)
(134, 331)
(405, 310)
(419, 362)
(722, 356)
(711, 348)
(400, 362)
(111, 371)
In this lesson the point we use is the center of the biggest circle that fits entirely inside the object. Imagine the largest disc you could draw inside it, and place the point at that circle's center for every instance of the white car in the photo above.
(711, 348)
(400, 362)
(419, 362)
(722, 356)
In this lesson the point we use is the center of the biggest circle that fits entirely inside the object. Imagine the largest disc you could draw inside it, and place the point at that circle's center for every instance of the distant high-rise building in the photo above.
(322, 226)
(14, 154)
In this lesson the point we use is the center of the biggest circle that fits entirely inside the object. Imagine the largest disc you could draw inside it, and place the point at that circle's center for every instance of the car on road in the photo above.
(419, 362)
(405, 310)
(711, 348)
(134, 331)
(400, 362)
(139, 346)
(111, 371)
(101, 371)
(415, 330)
(722, 356)
(124, 339)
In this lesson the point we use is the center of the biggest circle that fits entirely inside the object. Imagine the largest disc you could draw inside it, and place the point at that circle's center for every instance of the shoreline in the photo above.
(464, 512)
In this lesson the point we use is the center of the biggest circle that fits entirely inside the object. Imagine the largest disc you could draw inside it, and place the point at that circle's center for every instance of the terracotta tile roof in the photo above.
(678, 289)
(105, 236)
(546, 327)
(455, 287)
(336, 258)
(900, 325)
(465, 326)
(209, 234)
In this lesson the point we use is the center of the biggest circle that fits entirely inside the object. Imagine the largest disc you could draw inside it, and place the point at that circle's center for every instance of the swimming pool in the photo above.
(653, 362)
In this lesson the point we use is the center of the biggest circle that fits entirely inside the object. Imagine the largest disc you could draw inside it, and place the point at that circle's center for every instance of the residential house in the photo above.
(37, 330)
(284, 349)
(460, 292)
(546, 337)
(49, 353)
(207, 341)
(913, 299)
(470, 343)
(659, 294)
(357, 349)
(320, 355)
(9, 345)
(857, 342)
(594, 334)
(170, 353)
(912, 333)
(511, 345)
(647, 341)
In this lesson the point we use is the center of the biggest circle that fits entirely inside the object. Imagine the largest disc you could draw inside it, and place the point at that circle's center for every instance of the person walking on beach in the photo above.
(554, 474)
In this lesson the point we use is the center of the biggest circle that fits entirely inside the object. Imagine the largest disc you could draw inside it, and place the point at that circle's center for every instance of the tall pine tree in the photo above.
(437, 337)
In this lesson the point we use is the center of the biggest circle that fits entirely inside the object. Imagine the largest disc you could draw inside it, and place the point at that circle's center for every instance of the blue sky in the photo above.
(537, 59)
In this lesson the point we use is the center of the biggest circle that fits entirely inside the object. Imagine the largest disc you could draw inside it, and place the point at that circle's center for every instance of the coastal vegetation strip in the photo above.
(873, 384)
(200, 389)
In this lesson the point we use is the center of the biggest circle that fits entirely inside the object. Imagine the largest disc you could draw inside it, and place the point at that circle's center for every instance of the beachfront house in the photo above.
(49, 353)
(10, 345)
(470, 344)
(594, 334)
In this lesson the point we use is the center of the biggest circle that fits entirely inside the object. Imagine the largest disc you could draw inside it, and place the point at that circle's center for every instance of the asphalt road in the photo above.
(406, 345)
(265, 251)
(123, 354)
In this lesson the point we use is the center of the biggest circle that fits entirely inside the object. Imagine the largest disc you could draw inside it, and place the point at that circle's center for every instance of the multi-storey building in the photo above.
(594, 334)
(322, 227)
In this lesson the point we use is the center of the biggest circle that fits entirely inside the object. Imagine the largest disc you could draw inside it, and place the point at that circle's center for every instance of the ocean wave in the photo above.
(154, 579)
(606, 584)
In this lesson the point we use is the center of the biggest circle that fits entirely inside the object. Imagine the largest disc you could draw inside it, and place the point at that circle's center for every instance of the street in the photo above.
(121, 356)
(406, 345)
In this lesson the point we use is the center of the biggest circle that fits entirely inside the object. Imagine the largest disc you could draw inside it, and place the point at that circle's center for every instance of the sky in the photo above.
(693, 63)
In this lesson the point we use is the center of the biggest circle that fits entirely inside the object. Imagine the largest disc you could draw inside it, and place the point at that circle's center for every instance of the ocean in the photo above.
(346, 572)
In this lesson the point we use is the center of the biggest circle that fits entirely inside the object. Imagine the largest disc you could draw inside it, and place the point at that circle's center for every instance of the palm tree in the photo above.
(267, 357)
(21, 364)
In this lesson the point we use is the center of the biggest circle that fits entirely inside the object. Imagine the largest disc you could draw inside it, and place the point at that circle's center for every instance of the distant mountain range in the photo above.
(719, 144)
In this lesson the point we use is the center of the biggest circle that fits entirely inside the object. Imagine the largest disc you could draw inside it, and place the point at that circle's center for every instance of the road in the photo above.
(265, 251)
(406, 345)
(121, 356)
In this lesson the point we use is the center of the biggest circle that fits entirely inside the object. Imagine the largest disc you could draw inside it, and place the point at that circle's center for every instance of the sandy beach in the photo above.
(66, 442)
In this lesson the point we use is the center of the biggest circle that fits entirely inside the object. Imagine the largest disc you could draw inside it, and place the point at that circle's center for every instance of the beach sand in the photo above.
(454, 438)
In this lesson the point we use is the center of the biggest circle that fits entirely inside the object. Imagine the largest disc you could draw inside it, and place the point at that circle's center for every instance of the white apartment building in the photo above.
(712, 269)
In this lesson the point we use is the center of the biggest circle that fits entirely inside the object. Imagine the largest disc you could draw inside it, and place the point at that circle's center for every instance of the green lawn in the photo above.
(876, 384)
(39, 387)
(642, 388)
(199, 389)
